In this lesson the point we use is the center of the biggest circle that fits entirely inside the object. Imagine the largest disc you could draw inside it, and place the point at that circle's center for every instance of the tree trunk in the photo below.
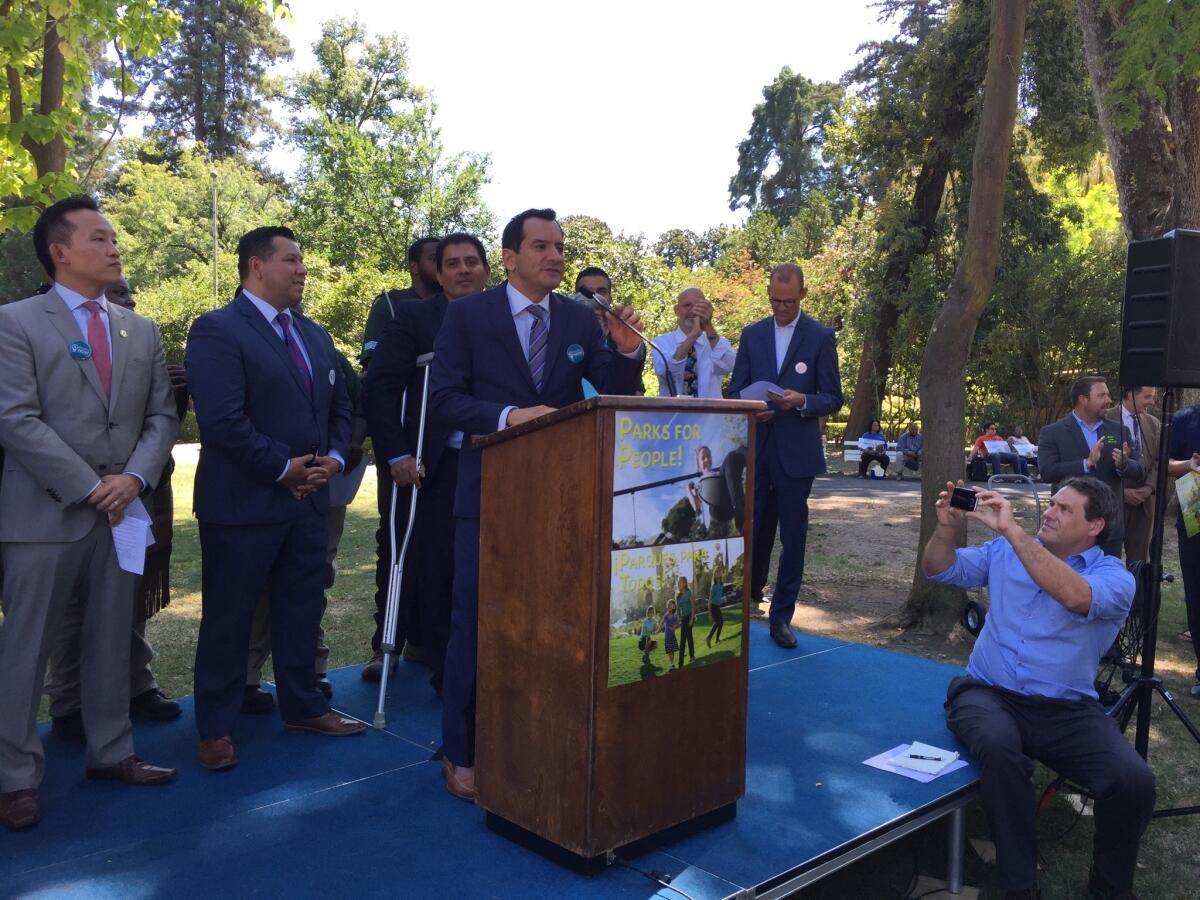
(52, 156)
(943, 392)
(1183, 109)
(199, 77)
(876, 361)
(1141, 159)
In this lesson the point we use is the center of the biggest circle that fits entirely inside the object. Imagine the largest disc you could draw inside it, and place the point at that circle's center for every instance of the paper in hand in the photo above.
(759, 391)
(131, 536)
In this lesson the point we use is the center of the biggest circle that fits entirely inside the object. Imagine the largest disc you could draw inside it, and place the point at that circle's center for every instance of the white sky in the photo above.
(628, 111)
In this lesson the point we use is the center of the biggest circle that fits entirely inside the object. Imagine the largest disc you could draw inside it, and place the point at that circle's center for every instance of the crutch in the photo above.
(396, 575)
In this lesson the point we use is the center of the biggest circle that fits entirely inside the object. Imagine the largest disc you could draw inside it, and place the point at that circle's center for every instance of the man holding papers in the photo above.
(1057, 602)
(87, 421)
(799, 355)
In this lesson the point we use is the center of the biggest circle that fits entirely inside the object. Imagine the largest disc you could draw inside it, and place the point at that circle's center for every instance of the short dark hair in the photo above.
(592, 272)
(1128, 391)
(460, 237)
(1083, 387)
(514, 231)
(987, 425)
(53, 227)
(786, 272)
(1100, 501)
(414, 249)
(259, 242)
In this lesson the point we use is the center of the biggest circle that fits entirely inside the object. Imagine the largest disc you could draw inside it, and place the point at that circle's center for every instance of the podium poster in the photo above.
(679, 498)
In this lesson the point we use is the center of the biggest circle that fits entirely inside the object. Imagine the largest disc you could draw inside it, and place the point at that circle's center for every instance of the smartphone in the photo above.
(774, 396)
(1111, 440)
(963, 498)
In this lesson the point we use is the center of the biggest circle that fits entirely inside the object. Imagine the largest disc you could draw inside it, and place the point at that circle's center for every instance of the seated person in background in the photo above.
(1057, 602)
(997, 458)
(870, 454)
(909, 448)
(1017, 439)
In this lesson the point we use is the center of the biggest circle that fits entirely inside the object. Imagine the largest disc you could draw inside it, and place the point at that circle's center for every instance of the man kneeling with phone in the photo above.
(1057, 602)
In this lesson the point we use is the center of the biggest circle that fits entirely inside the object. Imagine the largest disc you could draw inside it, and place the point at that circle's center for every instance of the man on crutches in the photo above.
(422, 605)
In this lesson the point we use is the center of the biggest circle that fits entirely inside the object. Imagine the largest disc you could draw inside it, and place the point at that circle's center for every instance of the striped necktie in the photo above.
(538, 336)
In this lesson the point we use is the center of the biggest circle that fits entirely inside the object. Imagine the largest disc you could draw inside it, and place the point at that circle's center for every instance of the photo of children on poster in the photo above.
(679, 483)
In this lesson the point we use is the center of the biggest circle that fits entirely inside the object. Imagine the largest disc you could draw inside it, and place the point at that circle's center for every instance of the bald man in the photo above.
(699, 357)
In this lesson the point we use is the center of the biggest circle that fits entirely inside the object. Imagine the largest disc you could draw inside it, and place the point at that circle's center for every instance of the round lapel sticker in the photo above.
(801, 368)
(575, 353)
(80, 350)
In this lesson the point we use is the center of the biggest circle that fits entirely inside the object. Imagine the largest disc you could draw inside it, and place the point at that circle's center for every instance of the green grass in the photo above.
(626, 662)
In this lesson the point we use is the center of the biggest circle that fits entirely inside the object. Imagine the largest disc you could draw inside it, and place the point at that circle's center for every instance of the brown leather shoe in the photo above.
(217, 753)
(20, 809)
(460, 780)
(329, 724)
(132, 770)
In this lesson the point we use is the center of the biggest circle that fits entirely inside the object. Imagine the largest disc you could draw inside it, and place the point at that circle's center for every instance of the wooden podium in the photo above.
(564, 751)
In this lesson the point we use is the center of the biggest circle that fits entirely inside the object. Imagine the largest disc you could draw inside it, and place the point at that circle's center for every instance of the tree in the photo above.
(162, 212)
(684, 247)
(48, 73)
(1145, 70)
(374, 175)
(211, 80)
(943, 395)
(781, 160)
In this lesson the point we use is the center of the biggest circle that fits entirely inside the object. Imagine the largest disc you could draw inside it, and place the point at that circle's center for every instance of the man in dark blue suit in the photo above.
(502, 358)
(424, 614)
(274, 419)
(798, 354)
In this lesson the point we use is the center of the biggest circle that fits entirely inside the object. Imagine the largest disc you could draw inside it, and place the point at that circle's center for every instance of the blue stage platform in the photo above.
(305, 816)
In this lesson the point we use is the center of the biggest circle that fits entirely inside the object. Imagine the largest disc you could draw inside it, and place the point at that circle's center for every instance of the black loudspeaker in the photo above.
(1160, 319)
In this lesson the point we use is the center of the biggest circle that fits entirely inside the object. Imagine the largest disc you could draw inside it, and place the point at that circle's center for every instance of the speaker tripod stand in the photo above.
(1139, 694)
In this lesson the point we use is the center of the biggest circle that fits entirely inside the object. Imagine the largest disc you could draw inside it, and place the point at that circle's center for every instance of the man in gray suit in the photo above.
(1083, 442)
(87, 421)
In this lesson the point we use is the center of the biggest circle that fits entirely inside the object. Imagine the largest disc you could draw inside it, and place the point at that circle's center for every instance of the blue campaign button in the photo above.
(575, 353)
(80, 350)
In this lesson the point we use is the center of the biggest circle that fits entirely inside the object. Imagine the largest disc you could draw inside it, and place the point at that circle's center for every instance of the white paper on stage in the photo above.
(131, 536)
(344, 485)
(997, 446)
(759, 391)
(883, 762)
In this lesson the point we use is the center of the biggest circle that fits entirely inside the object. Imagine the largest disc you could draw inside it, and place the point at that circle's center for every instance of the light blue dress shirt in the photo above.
(1031, 644)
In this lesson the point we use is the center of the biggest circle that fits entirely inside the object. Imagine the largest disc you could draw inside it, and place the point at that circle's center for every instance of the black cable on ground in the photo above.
(660, 878)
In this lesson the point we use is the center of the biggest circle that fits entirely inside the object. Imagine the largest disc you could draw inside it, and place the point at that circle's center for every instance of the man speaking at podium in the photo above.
(502, 358)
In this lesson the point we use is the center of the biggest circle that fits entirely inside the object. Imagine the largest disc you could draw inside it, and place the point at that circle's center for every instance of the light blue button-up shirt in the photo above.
(1031, 643)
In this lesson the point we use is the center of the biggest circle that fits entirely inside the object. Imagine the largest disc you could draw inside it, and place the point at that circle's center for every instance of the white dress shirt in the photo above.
(783, 339)
(712, 363)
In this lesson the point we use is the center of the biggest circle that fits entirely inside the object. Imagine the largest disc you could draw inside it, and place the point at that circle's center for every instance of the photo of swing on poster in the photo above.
(678, 551)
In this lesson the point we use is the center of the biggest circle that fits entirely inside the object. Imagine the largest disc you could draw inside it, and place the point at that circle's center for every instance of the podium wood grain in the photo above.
(558, 752)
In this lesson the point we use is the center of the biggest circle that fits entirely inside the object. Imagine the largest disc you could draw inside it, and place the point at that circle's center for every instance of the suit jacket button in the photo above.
(112, 425)
(101, 468)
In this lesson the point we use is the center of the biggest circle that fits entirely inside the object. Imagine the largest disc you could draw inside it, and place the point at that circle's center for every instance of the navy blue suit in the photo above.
(254, 413)
(788, 451)
(424, 615)
(479, 369)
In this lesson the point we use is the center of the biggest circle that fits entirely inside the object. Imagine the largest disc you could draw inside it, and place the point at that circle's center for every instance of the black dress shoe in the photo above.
(782, 635)
(324, 686)
(69, 728)
(256, 701)
(155, 706)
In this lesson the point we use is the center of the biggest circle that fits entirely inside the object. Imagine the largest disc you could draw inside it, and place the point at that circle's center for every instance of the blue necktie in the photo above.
(538, 336)
(285, 323)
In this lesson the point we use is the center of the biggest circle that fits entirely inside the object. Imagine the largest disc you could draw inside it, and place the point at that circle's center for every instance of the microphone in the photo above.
(600, 304)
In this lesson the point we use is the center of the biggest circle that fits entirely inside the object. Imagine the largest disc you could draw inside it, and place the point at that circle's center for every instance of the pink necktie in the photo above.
(97, 338)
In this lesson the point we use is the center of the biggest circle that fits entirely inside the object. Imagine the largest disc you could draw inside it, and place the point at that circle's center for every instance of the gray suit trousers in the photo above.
(40, 580)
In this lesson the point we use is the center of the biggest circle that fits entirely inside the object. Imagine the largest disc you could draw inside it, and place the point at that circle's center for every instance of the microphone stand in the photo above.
(609, 311)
